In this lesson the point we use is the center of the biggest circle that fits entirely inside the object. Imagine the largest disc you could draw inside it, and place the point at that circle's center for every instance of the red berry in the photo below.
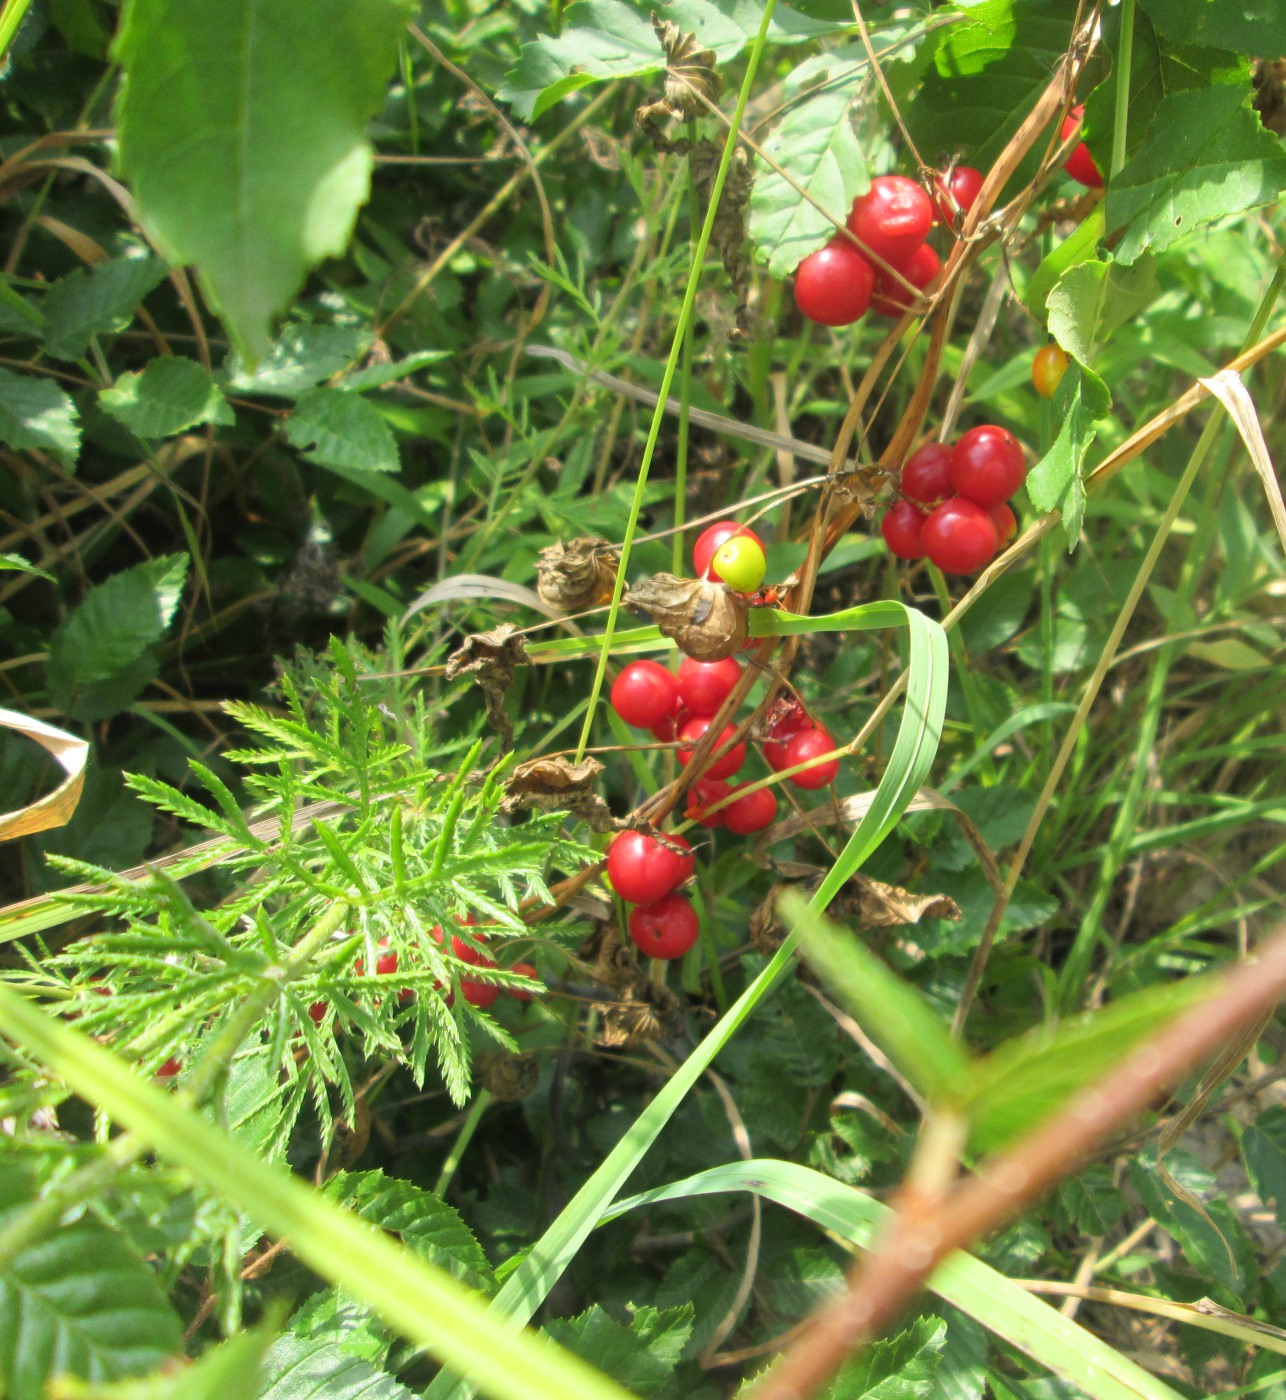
(524, 969)
(960, 536)
(833, 285)
(892, 218)
(708, 542)
(668, 730)
(641, 869)
(170, 1068)
(751, 813)
(1080, 165)
(808, 744)
(665, 929)
(318, 1012)
(891, 298)
(902, 528)
(703, 795)
(955, 195)
(926, 474)
(1047, 369)
(987, 465)
(644, 694)
(479, 994)
(723, 767)
(782, 728)
(705, 685)
(1005, 521)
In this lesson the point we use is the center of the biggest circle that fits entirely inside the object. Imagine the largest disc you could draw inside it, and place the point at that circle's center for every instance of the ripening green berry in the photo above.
(740, 563)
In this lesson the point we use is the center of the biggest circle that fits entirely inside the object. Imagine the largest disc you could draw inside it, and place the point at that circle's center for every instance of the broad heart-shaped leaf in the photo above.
(1263, 1148)
(1245, 26)
(1093, 298)
(604, 39)
(904, 1367)
(338, 429)
(1205, 155)
(620, 1351)
(171, 393)
(1055, 482)
(1017, 1087)
(99, 301)
(242, 133)
(295, 1369)
(77, 1300)
(426, 1225)
(35, 413)
(988, 72)
(110, 633)
(815, 144)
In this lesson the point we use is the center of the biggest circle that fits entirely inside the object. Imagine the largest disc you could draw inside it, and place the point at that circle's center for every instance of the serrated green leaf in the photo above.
(97, 301)
(171, 393)
(1090, 1201)
(1205, 155)
(816, 145)
(17, 564)
(425, 1224)
(300, 357)
(338, 429)
(1263, 1148)
(109, 635)
(613, 1348)
(1093, 298)
(77, 1300)
(242, 130)
(35, 413)
(332, 1316)
(1017, 1087)
(228, 1371)
(1245, 26)
(1055, 482)
(377, 375)
(895, 1015)
(904, 1367)
(295, 1369)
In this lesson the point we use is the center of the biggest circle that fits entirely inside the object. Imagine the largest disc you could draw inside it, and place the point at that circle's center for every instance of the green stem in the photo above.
(481, 1101)
(685, 397)
(671, 365)
(1124, 61)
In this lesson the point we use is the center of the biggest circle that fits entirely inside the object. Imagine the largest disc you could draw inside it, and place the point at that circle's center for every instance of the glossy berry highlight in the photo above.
(833, 285)
(903, 529)
(641, 869)
(987, 465)
(644, 694)
(892, 218)
(960, 537)
(665, 929)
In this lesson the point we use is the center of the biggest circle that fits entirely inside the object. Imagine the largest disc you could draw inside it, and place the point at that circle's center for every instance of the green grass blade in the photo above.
(1003, 1307)
(425, 1305)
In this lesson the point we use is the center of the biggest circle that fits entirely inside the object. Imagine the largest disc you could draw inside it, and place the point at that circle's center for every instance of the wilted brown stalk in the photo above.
(919, 1238)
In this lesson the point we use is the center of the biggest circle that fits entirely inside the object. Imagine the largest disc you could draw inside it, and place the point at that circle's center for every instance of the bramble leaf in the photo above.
(171, 393)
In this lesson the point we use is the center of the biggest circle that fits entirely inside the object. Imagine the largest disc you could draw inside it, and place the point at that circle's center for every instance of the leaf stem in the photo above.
(1124, 62)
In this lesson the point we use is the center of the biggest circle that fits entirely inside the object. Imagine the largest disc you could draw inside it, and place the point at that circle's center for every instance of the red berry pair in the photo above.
(793, 738)
(954, 508)
(647, 872)
(838, 284)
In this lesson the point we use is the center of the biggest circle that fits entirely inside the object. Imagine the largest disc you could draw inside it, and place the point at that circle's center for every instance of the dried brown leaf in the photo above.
(490, 658)
(873, 904)
(650, 1011)
(578, 575)
(707, 620)
(55, 808)
(508, 1077)
(559, 785)
(691, 83)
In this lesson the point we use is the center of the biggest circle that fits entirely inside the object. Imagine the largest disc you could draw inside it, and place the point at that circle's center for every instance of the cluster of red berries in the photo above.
(954, 507)
(836, 285)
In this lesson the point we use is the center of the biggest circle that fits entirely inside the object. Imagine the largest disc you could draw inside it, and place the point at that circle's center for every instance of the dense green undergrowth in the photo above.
(277, 436)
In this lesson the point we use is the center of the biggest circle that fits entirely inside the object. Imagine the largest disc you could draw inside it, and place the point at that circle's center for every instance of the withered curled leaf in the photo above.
(490, 658)
(578, 575)
(873, 904)
(508, 1077)
(557, 784)
(690, 77)
(648, 1011)
(707, 620)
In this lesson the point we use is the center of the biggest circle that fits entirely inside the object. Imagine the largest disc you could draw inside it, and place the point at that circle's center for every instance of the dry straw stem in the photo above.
(917, 1241)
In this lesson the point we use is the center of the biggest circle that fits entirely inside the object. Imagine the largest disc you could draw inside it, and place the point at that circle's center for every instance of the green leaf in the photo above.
(1016, 1088)
(170, 394)
(1093, 298)
(1089, 1201)
(18, 564)
(1245, 26)
(301, 356)
(97, 301)
(618, 1351)
(35, 413)
(242, 132)
(1055, 482)
(295, 1369)
(78, 1300)
(1214, 1243)
(338, 429)
(1074, 249)
(1263, 1148)
(377, 375)
(229, 1371)
(816, 145)
(109, 635)
(1205, 155)
(894, 1014)
(333, 1317)
(426, 1225)
(904, 1367)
